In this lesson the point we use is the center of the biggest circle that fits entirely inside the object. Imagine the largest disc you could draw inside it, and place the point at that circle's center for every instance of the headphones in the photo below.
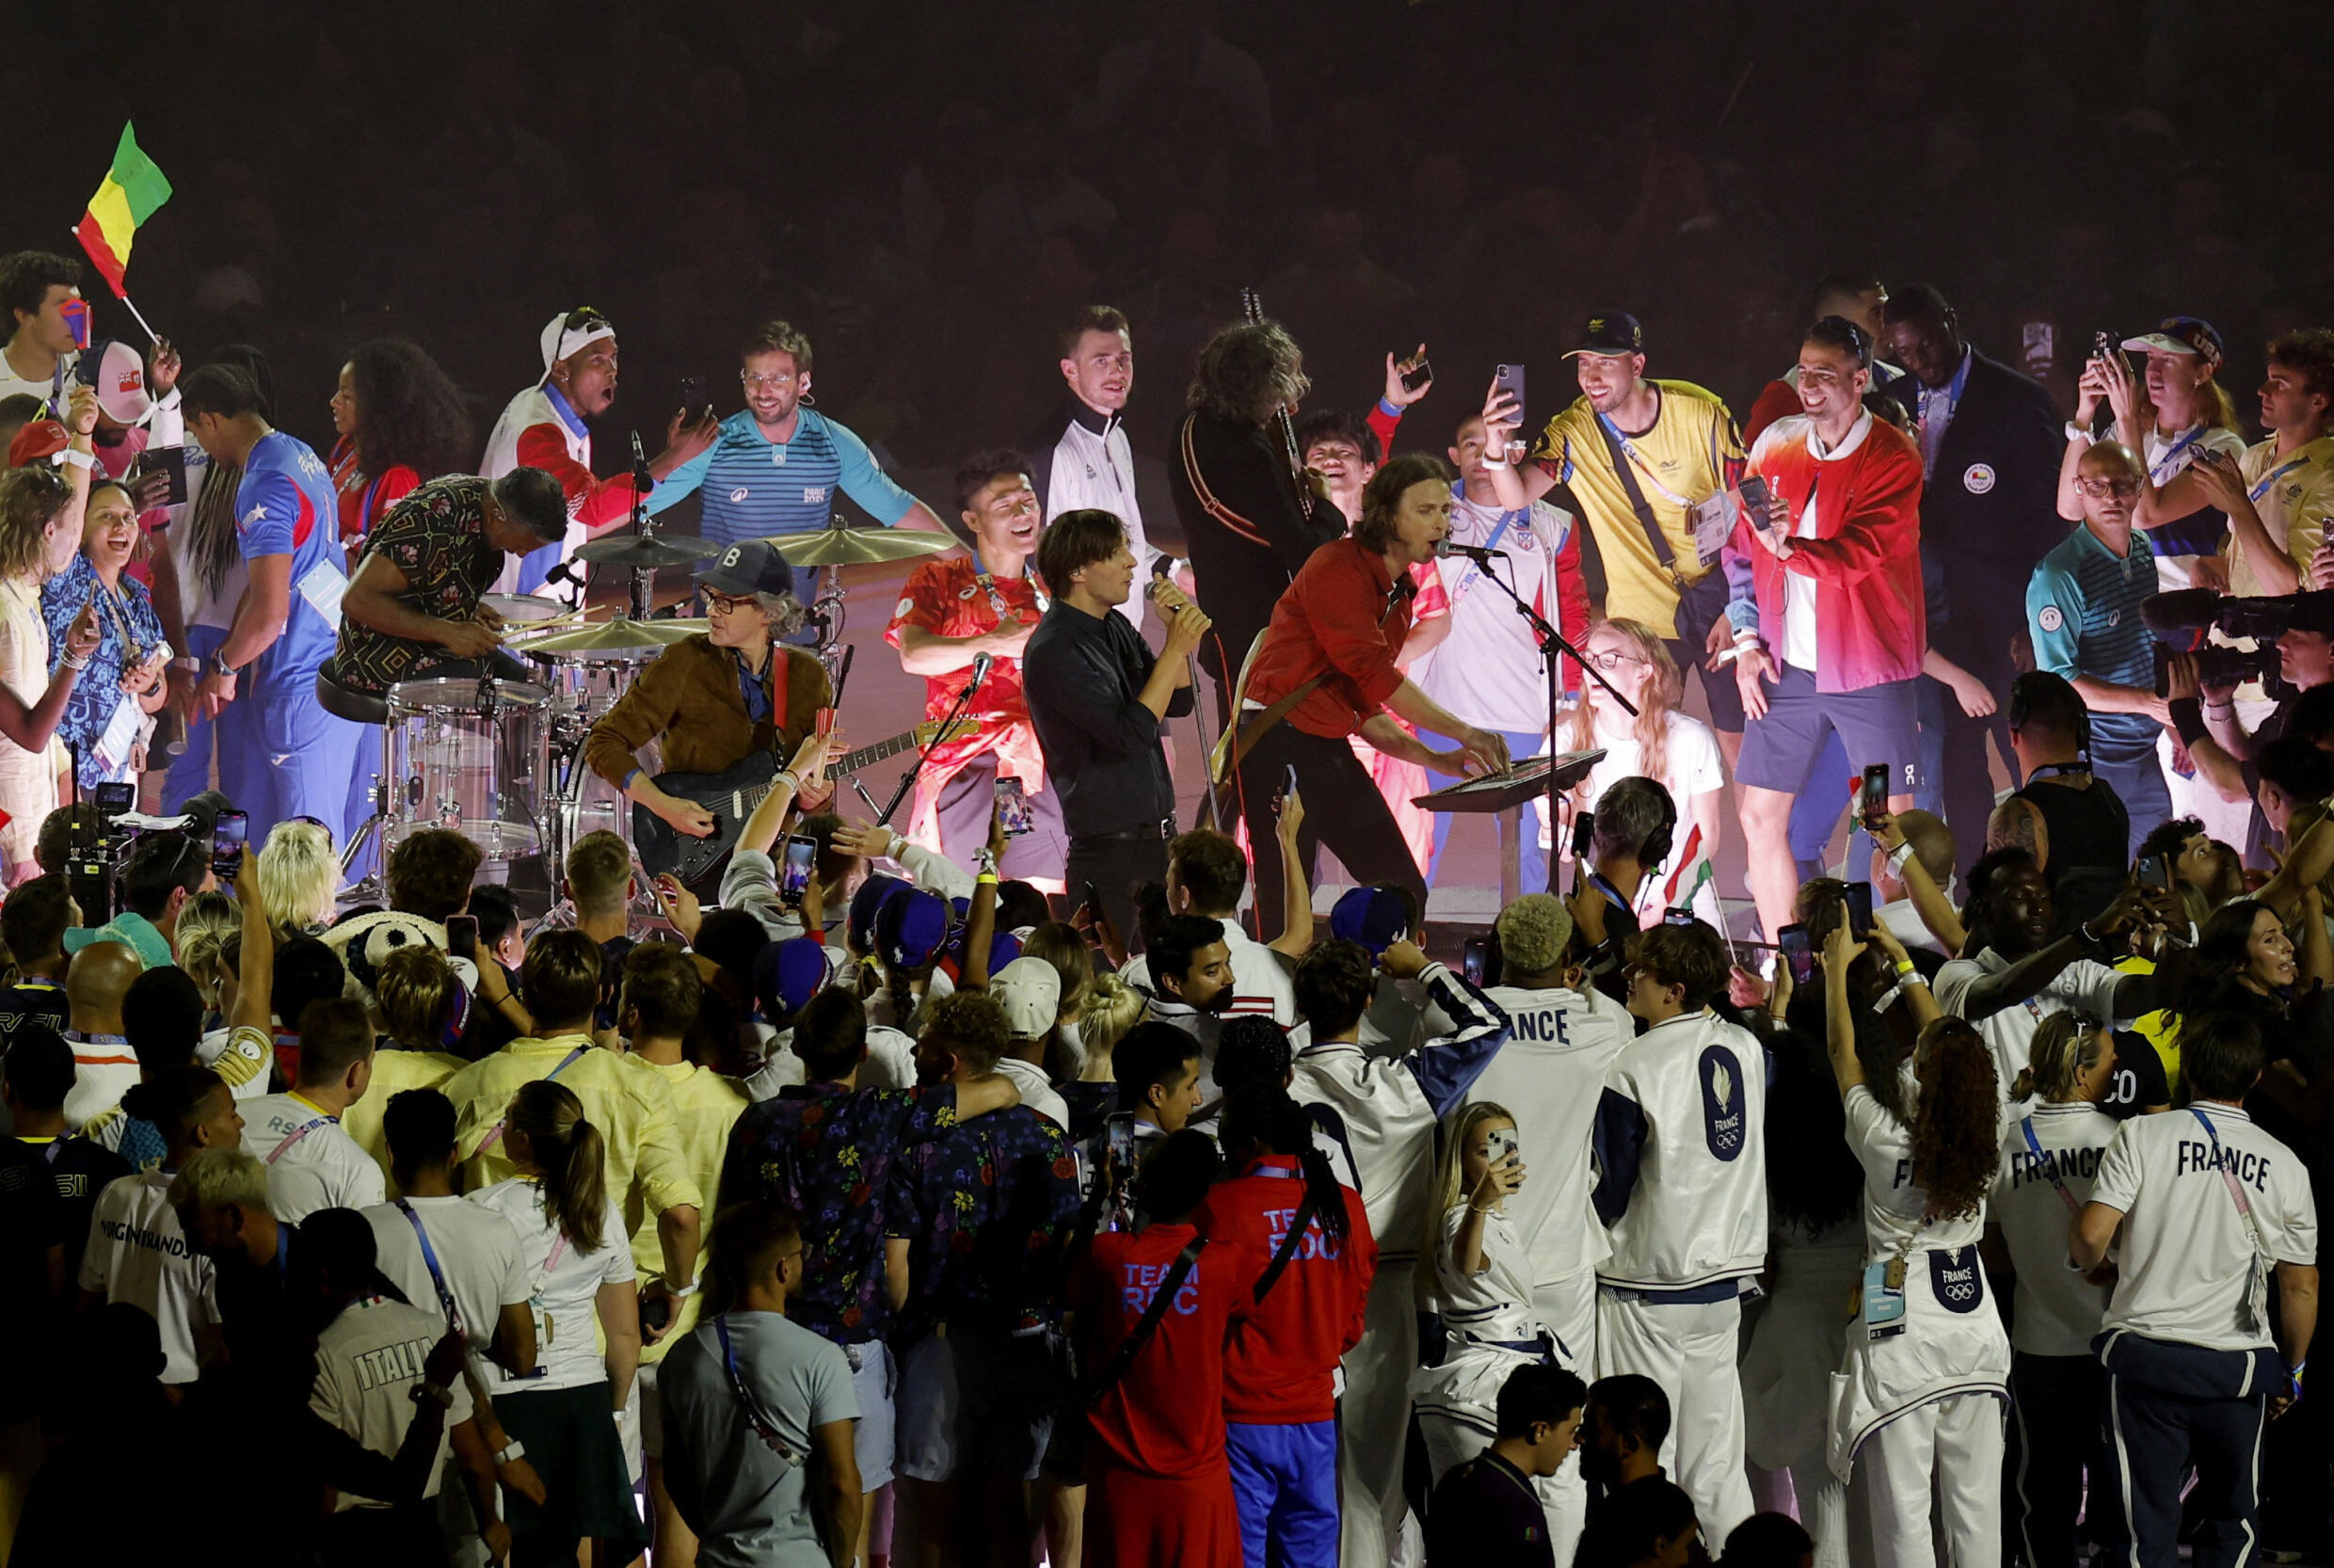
(2022, 706)
(1658, 843)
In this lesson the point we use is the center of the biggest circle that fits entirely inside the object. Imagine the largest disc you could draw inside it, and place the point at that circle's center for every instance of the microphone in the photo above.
(1476, 553)
(981, 663)
(563, 572)
(642, 479)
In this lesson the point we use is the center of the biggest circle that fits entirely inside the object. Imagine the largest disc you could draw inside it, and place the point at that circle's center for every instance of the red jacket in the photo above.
(1166, 1416)
(1280, 1366)
(1871, 625)
(591, 501)
(1341, 615)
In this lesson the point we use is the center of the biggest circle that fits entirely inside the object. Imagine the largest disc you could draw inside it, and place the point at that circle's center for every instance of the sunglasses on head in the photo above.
(317, 823)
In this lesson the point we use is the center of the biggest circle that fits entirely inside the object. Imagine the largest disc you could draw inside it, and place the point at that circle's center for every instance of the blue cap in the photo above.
(787, 975)
(911, 929)
(754, 567)
(1004, 947)
(877, 891)
(1373, 917)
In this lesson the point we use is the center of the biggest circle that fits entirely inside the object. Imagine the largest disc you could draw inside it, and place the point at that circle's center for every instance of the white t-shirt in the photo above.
(2177, 571)
(2058, 1311)
(2085, 984)
(1550, 1074)
(369, 1360)
(201, 606)
(564, 1285)
(46, 390)
(2184, 1271)
(479, 1251)
(1903, 923)
(1895, 1209)
(137, 1253)
(319, 1168)
(1692, 766)
(1036, 1090)
(1487, 669)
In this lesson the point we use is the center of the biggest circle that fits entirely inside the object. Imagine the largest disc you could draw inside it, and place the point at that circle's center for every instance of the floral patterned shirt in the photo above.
(827, 1153)
(129, 629)
(436, 538)
(986, 1209)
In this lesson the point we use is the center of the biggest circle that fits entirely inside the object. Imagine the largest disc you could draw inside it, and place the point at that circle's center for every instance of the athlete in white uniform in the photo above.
(1681, 1159)
(2211, 1206)
(1919, 1397)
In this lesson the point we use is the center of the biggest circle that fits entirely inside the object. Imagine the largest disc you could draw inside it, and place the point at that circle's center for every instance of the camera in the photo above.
(2183, 621)
(96, 844)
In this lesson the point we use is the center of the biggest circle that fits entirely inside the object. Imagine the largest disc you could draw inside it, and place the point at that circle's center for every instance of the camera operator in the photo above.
(163, 872)
(2201, 685)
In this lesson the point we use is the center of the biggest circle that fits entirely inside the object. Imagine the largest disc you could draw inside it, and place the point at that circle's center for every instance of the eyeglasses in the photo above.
(2100, 489)
(756, 381)
(581, 318)
(730, 604)
(1612, 659)
(319, 823)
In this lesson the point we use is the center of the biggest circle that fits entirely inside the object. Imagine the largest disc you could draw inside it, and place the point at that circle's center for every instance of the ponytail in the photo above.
(2066, 1045)
(573, 1158)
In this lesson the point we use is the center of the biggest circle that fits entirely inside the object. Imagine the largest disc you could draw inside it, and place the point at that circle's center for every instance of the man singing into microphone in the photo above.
(1327, 667)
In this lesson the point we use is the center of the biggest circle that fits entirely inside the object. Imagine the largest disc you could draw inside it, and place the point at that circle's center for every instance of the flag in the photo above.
(133, 188)
(1679, 866)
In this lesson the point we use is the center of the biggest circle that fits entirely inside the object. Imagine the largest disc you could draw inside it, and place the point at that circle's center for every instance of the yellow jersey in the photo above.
(705, 1107)
(632, 1110)
(2295, 495)
(394, 1071)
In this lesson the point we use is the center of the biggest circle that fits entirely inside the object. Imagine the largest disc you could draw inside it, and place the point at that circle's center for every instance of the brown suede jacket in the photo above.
(690, 697)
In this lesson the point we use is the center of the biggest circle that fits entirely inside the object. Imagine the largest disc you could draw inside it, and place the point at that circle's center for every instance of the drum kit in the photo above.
(501, 760)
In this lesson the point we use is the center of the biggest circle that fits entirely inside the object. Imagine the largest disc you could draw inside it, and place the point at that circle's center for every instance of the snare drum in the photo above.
(465, 753)
(516, 608)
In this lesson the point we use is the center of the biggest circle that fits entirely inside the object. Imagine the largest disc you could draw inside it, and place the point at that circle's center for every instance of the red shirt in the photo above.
(946, 599)
(1165, 1416)
(592, 502)
(365, 502)
(1339, 613)
(1280, 1366)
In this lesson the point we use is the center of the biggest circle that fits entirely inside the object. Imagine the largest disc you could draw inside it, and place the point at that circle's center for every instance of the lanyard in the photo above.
(2261, 485)
(2236, 1188)
(297, 1134)
(996, 597)
(1628, 449)
(430, 1260)
(1497, 534)
(2167, 465)
(494, 1133)
(2049, 1167)
(57, 1146)
(283, 1251)
(763, 1427)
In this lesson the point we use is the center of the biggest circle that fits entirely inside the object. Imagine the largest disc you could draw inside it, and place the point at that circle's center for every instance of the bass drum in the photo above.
(579, 801)
(464, 754)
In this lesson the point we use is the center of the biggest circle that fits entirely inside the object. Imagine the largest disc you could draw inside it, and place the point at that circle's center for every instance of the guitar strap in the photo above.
(779, 683)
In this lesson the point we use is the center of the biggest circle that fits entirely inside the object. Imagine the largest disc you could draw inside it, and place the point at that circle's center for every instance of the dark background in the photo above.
(926, 186)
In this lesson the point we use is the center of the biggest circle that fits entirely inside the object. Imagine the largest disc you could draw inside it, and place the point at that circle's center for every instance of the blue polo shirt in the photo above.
(285, 506)
(2082, 610)
(752, 488)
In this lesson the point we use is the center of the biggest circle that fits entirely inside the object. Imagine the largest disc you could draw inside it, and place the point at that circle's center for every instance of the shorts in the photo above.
(975, 1400)
(1878, 724)
(875, 1442)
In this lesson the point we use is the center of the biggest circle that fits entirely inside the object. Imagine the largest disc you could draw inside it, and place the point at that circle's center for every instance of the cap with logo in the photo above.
(1613, 332)
(1029, 991)
(2180, 335)
(752, 568)
(43, 439)
(117, 374)
(1373, 917)
(911, 928)
(787, 975)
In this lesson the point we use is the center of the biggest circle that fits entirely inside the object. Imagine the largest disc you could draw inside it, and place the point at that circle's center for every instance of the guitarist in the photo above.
(1248, 526)
(952, 610)
(716, 698)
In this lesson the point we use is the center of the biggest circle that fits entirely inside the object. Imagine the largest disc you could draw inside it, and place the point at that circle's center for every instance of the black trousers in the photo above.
(1116, 867)
(1983, 650)
(2060, 1467)
(1342, 809)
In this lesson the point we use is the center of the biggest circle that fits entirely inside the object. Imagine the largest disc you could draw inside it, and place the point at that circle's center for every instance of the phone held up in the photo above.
(1479, 959)
(1872, 794)
(1860, 909)
(228, 836)
(1013, 811)
(1417, 376)
(1499, 1143)
(802, 856)
(1798, 952)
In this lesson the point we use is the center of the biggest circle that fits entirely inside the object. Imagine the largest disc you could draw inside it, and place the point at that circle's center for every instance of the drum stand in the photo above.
(373, 885)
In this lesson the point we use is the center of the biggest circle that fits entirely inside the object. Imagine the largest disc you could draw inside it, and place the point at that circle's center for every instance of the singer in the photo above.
(964, 620)
(1327, 667)
(1099, 702)
(715, 699)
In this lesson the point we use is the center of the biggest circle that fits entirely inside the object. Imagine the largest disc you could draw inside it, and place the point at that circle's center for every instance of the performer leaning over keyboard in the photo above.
(716, 698)
(2210, 1206)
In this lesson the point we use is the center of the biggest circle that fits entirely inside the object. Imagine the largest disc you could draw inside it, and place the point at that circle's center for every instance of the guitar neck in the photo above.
(867, 756)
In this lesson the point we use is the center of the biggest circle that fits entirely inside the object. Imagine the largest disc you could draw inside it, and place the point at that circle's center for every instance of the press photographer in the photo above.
(2287, 642)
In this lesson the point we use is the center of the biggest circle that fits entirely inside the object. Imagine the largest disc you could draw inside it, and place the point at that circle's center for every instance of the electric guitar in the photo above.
(731, 796)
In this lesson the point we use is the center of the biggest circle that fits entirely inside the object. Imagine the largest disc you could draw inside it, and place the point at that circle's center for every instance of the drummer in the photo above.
(720, 697)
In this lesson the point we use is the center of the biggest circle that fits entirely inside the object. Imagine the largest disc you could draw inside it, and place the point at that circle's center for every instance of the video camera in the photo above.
(97, 842)
(2182, 621)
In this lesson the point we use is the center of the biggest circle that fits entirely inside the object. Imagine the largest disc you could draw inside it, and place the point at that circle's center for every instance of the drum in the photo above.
(465, 754)
(583, 687)
(517, 608)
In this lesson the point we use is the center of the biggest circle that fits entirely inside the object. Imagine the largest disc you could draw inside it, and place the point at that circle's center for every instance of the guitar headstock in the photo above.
(1251, 307)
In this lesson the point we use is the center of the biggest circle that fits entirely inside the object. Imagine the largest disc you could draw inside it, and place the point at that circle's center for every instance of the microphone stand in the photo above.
(643, 578)
(924, 754)
(1551, 643)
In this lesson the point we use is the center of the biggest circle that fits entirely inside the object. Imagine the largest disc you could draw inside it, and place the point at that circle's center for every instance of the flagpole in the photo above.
(150, 333)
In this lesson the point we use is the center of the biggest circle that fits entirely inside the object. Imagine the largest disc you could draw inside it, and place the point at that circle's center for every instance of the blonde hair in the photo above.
(2066, 1045)
(220, 1178)
(569, 1152)
(1663, 691)
(1451, 1183)
(1113, 1008)
(415, 991)
(299, 877)
(205, 924)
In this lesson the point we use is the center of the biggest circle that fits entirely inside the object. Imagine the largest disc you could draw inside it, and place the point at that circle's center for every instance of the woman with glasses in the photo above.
(36, 513)
(110, 716)
(400, 421)
(1661, 743)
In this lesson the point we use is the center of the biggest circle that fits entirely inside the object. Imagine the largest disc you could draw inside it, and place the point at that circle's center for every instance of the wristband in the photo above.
(440, 1397)
(2188, 720)
(680, 1293)
(1898, 856)
(1905, 968)
(985, 878)
(1499, 462)
(791, 779)
(2077, 433)
(77, 459)
(510, 1453)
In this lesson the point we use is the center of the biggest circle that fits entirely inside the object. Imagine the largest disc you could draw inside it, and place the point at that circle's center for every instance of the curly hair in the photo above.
(1246, 372)
(409, 413)
(1955, 1150)
(969, 1026)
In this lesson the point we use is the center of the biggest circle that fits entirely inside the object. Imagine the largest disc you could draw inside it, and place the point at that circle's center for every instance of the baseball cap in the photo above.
(1373, 917)
(787, 975)
(40, 440)
(117, 374)
(911, 928)
(2180, 335)
(571, 331)
(752, 568)
(1610, 332)
(1029, 991)
(877, 891)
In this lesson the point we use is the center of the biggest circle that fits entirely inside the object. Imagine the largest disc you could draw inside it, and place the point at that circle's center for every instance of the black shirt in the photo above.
(30, 1001)
(1081, 674)
(2089, 835)
(1244, 522)
(83, 1170)
(31, 1222)
(1485, 1511)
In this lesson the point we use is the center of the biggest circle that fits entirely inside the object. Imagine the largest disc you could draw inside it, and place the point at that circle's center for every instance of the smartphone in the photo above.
(2156, 871)
(1510, 379)
(1014, 812)
(656, 1312)
(1755, 496)
(1473, 959)
(1094, 900)
(692, 395)
(1584, 834)
(114, 799)
(1678, 914)
(462, 936)
(1798, 952)
(1417, 376)
(1499, 1143)
(802, 856)
(228, 836)
(2102, 346)
(165, 460)
(1860, 909)
(1289, 785)
(1872, 795)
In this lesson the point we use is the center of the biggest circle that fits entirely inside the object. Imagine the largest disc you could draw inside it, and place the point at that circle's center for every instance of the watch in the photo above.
(219, 665)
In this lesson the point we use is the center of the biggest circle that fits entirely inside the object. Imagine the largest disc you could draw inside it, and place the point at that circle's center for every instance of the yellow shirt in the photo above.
(2293, 507)
(705, 1107)
(1686, 454)
(394, 1071)
(2159, 1029)
(631, 1110)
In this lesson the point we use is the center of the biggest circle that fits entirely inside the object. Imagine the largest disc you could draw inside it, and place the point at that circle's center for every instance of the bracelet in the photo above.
(680, 1293)
(1905, 968)
(1499, 462)
(985, 878)
(77, 459)
(2077, 433)
(1473, 1209)
(509, 1452)
(442, 1396)
(71, 661)
(793, 780)
(2188, 720)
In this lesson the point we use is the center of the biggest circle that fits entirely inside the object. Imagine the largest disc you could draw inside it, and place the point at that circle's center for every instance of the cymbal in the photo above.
(837, 546)
(665, 550)
(613, 636)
